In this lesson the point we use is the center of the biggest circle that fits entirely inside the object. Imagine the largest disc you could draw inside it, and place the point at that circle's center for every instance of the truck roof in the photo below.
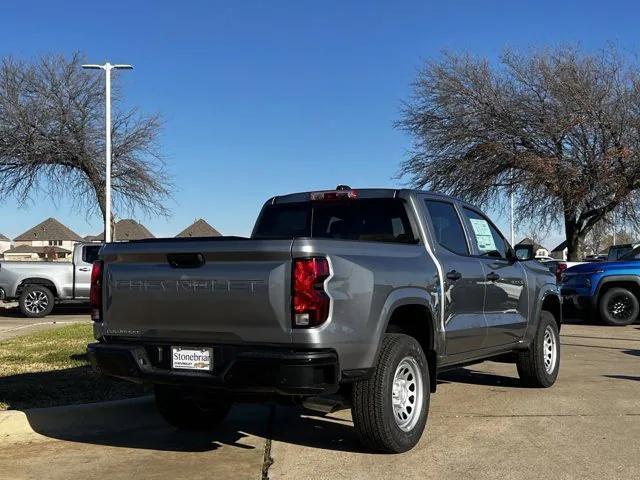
(364, 193)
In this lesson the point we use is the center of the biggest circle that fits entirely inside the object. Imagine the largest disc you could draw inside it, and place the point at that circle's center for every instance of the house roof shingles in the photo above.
(4, 238)
(125, 229)
(39, 250)
(50, 229)
(128, 229)
(199, 228)
(529, 241)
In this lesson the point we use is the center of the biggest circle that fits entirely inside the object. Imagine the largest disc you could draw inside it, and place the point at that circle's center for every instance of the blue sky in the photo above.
(261, 98)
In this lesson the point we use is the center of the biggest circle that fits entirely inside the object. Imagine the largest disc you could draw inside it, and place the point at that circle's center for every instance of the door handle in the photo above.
(453, 275)
(84, 269)
(493, 277)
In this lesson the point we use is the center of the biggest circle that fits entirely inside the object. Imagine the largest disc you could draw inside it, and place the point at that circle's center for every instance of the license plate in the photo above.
(192, 358)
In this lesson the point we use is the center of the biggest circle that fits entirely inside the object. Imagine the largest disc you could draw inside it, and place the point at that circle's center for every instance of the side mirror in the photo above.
(524, 252)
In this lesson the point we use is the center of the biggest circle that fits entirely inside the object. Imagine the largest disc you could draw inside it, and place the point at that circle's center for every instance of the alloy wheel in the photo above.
(620, 307)
(36, 302)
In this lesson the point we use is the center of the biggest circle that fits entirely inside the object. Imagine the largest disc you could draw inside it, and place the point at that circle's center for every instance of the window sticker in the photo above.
(483, 235)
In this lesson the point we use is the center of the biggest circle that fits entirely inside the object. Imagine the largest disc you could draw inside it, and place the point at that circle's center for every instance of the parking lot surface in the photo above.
(13, 323)
(482, 425)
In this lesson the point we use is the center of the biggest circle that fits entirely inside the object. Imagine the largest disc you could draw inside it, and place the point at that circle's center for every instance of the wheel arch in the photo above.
(46, 282)
(553, 304)
(550, 300)
(411, 312)
(630, 282)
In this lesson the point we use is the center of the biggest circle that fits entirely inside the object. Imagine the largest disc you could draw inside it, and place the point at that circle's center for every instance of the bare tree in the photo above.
(599, 238)
(52, 139)
(559, 126)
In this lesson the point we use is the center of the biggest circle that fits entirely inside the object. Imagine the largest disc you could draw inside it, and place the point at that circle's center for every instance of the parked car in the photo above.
(557, 267)
(607, 291)
(37, 286)
(339, 298)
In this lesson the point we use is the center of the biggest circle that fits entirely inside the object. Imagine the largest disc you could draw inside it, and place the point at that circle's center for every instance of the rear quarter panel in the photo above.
(368, 281)
(12, 274)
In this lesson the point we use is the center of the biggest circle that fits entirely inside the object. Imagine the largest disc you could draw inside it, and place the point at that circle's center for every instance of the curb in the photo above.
(76, 420)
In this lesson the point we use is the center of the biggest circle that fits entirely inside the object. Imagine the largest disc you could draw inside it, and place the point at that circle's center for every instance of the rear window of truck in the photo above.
(372, 220)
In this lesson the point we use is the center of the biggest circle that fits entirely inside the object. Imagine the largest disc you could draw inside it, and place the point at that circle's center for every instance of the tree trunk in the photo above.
(575, 237)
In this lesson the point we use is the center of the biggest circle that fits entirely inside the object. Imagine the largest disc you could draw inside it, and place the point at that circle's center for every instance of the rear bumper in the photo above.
(236, 368)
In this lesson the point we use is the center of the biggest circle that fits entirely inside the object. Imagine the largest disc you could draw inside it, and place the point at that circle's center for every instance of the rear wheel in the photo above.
(36, 301)
(189, 410)
(538, 366)
(618, 307)
(390, 409)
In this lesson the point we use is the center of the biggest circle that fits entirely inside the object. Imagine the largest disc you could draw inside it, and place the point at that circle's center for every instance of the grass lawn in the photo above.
(50, 368)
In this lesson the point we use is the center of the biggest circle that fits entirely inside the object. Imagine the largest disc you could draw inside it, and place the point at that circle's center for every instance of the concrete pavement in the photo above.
(14, 324)
(482, 425)
(147, 449)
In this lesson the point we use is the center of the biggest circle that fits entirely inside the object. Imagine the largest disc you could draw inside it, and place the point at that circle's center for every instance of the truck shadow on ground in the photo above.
(474, 377)
(635, 378)
(143, 428)
(76, 385)
(61, 310)
(284, 424)
(136, 424)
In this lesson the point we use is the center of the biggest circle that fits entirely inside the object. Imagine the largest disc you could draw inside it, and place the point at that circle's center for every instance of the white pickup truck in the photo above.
(37, 286)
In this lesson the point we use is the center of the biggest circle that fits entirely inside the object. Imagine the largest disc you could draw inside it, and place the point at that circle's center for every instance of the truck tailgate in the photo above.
(218, 290)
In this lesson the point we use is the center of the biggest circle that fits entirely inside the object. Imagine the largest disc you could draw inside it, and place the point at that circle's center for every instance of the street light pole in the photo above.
(107, 67)
(511, 210)
(613, 215)
(511, 219)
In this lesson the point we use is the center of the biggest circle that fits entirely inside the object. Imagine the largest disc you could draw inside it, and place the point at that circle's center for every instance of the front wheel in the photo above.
(538, 366)
(390, 409)
(619, 307)
(36, 301)
(189, 410)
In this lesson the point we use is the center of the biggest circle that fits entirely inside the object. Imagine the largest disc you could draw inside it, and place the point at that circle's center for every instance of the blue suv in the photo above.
(607, 290)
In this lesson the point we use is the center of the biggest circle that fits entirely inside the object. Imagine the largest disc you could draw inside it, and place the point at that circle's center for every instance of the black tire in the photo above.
(188, 410)
(373, 405)
(618, 307)
(532, 368)
(36, 301)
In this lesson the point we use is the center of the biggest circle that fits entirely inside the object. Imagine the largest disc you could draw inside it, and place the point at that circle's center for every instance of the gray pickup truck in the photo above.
(37, 286)
(341, 298)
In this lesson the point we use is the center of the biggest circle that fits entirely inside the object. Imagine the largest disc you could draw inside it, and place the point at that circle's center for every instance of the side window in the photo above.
(90, 253)
(489, 241)
(447, 226)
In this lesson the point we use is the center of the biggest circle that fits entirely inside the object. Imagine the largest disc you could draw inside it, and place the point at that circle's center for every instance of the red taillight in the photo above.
(560, 267)
(310, 301)
(95, 293)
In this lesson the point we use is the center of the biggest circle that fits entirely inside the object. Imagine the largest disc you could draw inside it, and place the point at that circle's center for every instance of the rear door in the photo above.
(82, 270)
(464, 282)
(506, 298)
